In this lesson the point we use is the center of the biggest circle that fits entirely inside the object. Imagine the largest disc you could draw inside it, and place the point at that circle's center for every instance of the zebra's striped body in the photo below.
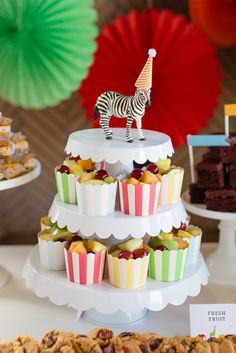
(130, 107)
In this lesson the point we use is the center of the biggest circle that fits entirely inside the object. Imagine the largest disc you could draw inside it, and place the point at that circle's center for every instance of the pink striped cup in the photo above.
(139, 199)
(85, 268)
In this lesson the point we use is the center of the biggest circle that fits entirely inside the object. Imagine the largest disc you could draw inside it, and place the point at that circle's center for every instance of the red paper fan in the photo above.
(217, 18)
(186, 75)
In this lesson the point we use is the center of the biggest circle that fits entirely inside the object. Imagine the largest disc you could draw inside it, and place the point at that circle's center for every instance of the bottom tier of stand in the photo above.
(105, 304)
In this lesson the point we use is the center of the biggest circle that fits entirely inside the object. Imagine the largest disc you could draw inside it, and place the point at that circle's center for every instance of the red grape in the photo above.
(161, 247)
(136, 173)
(101, 174)
(76, 158)
(125, 255)
(153, 168)
(63, 169)
(182, 227)
(139, 253)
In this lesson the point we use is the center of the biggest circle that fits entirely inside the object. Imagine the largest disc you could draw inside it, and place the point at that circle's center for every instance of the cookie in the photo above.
(153, 340)
(25, 344)
(56, 342)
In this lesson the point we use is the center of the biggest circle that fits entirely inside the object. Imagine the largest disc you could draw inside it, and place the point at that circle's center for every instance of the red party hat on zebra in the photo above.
(144, 81)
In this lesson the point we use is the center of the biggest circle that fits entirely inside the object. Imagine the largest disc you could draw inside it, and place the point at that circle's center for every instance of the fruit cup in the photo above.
(167, 265)
(51, 248)
(84, 266)
(194, 244)
(138, 198)
(97, 196)
(126, 272)
(171, 185)
(65, 181)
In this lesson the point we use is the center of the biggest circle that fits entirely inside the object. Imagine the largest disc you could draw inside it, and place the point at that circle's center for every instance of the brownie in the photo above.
(223, 200)
(197, 194)
(232, 175)
(210, 174)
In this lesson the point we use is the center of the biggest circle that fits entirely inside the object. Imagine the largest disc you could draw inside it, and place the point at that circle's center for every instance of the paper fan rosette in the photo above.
(46, 49)
(217, 18)
(186, 73)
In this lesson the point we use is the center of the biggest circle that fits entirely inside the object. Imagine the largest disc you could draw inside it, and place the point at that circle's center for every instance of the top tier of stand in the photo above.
(92, 144)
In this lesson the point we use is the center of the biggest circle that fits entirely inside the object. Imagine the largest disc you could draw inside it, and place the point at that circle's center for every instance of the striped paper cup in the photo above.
(66, 187)
(167, 265)
(171, 185)
(139, 199)
(52, 255)
(194, 247)
(96, 200)
(127, 273)
(85, 268)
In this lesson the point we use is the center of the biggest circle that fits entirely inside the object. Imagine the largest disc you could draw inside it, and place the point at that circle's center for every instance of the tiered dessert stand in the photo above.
(221, 263)
(9, 184)
(103, 303)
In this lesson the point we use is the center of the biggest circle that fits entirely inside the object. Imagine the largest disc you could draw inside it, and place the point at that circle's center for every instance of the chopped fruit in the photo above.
(149, 178)
(85, 177)
(161, 247)
(166, 236)
(95, 182)
(78, 247)
(126, 255)
(140, 253)
(169, 244)
(77, 158)
(46, 223)
(109, 180)
(63, 169)
(153, 168)
(94, 246)
(132, 181)
(182, 244)
(73, 166)
(115, 253)
(194, 231)
(183, 234)
(86, 164)
(75, 238)
(163, 164)
(131, 245)
(101, 174)
(48, 236)
(136, 173)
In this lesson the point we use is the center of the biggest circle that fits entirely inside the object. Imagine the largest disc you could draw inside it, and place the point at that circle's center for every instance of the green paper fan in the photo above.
(46, 47)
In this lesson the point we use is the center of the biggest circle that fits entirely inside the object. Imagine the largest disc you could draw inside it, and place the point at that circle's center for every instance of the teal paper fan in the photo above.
(46, 47)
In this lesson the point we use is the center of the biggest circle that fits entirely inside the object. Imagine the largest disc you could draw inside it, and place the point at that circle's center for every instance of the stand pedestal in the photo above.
(222, 263)
(117, 319)
(4, 275)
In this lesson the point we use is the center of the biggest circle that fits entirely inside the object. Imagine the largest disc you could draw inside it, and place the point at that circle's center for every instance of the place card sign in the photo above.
(212, 319)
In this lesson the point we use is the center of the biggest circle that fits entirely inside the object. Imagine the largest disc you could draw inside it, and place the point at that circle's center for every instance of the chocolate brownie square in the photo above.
(232, 175)
(197, 194)
(210, 174)
(223, 200)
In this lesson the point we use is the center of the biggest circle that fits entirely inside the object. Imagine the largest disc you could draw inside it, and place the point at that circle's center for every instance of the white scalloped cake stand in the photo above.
(9, 184)
(92, 144)
(117, 224)
(99, 302)
(222, 263)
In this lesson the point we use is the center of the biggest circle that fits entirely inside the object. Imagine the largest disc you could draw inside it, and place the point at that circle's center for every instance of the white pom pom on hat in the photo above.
(152, 52)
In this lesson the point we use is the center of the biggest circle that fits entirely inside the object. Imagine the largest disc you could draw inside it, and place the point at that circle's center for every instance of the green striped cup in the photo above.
(66, 187)
(167, 265)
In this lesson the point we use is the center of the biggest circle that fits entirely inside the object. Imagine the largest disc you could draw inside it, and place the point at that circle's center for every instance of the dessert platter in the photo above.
(92, 224)
(18, 165)
(213, 195)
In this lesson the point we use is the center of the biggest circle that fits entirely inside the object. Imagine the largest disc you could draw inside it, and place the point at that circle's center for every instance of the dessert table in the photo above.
(22, 312)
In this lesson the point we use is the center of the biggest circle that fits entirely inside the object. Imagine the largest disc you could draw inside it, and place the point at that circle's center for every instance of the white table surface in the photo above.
(21, 312)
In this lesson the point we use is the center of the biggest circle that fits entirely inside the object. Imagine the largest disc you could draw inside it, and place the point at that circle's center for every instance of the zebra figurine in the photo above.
(130, 107)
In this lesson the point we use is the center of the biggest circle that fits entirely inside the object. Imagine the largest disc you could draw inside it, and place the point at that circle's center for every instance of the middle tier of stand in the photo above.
(117, 224)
